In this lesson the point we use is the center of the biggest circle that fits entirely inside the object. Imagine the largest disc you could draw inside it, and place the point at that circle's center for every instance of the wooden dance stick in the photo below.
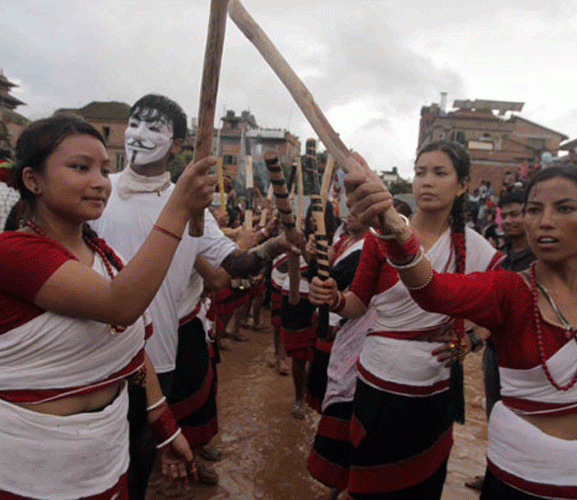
(327, 179)
(287, 219)
(300, 193)
(304, 99)
(321, 238)
(208, 92)
(249, 195)
(266, 209)
(294, 85)
(220, 172)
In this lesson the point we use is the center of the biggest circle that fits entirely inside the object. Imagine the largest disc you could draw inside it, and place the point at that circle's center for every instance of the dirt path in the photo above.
(264, 449)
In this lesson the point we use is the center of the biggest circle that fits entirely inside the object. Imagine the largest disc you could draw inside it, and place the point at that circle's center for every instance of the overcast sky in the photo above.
(370, 65)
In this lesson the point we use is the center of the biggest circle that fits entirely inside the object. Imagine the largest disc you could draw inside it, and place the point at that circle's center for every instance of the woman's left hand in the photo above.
(445, 354)
(177, 462)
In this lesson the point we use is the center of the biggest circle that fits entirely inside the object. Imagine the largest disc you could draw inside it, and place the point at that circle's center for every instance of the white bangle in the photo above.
(380, 235)
(414, 261)
(169, 440)
(389, 236)
(153, 406)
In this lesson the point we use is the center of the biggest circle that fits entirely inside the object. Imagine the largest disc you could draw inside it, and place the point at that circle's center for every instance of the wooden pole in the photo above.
(294, 85)
(300, 194)
(304, 99)
(249, 194)
(287, 219)
(220, 171)
(264, 213)
(209, 91)
(327, 179)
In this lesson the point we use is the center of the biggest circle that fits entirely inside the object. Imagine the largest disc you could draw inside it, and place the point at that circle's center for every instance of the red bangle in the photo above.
(402, 252)
(164, 428)
(167, 232)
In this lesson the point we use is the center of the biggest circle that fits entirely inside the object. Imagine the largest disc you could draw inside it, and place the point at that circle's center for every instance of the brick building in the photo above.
(497, 139)
(109, 118)
(243, 130)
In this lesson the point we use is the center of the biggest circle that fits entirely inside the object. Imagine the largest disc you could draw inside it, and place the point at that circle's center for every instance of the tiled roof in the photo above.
(106, 111)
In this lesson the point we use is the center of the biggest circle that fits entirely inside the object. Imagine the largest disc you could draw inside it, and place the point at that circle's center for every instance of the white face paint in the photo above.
(148, 137)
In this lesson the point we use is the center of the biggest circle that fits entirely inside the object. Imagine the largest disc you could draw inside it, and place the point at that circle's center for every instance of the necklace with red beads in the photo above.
(114, 329)
(537, 316)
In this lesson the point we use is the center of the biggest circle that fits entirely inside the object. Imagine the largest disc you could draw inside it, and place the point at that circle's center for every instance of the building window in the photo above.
(106, 132)
(459, 136)
(229, 159)
(537, 143)
(119, 161)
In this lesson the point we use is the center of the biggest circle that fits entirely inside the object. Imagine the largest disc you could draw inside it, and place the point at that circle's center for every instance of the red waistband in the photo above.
(35, 396)
(403, 389)
(406, 335)
(527, 407)
(190, 315)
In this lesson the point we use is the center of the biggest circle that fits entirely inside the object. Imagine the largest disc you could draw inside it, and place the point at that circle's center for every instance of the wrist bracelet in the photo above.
(170, 439)
(167, 232)
(164, 428)
(388, 236)
(412, 263)
(381, 236)
(340, 303)
(153, 406)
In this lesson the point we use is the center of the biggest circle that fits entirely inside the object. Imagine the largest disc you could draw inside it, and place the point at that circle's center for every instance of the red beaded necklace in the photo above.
(537, 317)
(94, 246)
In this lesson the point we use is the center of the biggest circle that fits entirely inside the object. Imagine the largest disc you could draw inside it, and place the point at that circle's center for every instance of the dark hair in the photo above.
(455, 151)
(566, 172)
(39, 140)
(331, 221)
(462, 165)
(402, 207)
(166, 108)
(516, 196)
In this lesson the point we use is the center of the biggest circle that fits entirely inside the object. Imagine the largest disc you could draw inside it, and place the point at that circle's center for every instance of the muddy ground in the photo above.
(264, 449)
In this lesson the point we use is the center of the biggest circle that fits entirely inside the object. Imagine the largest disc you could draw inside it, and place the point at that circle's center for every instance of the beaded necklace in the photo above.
(537, 317)
(114, 329)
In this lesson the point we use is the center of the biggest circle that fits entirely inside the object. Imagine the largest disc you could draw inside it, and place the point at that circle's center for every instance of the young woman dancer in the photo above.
(71, 321)
(532, 438)
(401, 427)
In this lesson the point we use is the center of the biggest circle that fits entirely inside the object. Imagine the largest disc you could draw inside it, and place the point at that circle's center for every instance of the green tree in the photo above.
(179, 161)
(401, 187)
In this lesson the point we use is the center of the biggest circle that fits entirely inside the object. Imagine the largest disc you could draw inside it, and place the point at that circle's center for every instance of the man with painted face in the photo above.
(156, 130)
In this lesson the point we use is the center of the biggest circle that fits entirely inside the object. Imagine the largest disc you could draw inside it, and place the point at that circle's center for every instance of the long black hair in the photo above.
(462, 164)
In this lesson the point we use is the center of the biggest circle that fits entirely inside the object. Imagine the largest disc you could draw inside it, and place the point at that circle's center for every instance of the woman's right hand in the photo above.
(195, 187)
(322, 292)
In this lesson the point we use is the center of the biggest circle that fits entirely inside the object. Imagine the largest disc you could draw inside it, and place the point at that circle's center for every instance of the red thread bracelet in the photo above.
(164, 428)
(341, 303)
(167, 232)
(402, 252)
